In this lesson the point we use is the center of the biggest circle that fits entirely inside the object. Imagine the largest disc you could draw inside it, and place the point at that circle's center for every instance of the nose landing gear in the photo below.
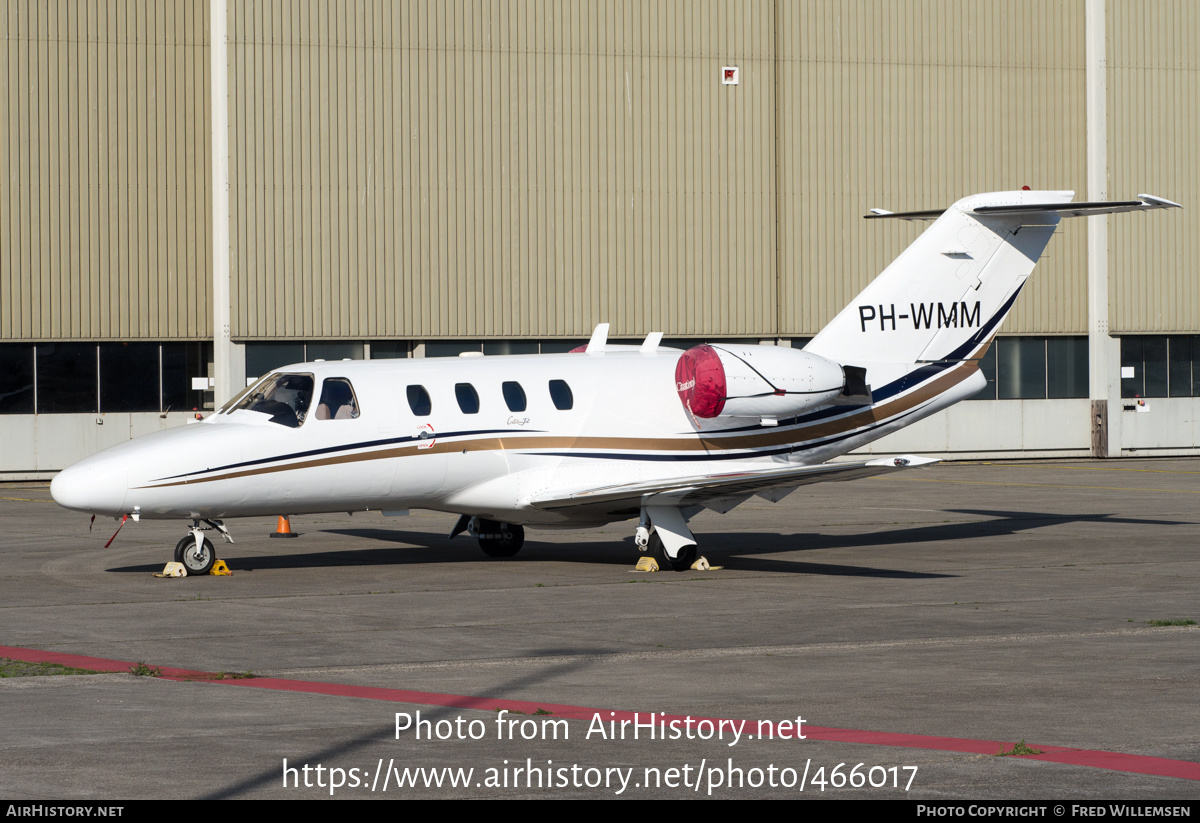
(195, 551)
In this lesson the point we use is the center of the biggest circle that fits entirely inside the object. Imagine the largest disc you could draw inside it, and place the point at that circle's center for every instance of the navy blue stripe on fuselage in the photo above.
(366, 444)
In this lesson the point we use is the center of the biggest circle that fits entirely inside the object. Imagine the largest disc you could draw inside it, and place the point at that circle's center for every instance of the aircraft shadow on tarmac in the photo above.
(740, 550)
(724, 551)
(271, 777)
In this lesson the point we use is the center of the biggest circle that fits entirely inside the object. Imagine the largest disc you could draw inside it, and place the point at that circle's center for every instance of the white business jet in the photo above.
(552, 441)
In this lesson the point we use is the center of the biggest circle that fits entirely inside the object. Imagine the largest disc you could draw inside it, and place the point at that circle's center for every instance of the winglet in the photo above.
(1158, 202)
(599, 338)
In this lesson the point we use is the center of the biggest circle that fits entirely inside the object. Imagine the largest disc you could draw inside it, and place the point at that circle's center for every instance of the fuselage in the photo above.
(476, 435)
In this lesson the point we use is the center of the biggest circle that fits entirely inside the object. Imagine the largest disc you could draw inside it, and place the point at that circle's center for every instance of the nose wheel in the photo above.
(197, 559)
(195, 551)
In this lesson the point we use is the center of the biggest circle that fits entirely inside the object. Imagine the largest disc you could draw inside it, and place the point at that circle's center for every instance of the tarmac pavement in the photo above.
(984, 602)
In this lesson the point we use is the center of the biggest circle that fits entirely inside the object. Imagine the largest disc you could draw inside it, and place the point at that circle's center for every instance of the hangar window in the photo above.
(1183, 367)
(493, 347)
(514, 396)
(468, 398)
(1021, 367)
(183, 366)
(337, 400)
(265, 357)
(1066, 367)
(67, 377)
(127, 376)
(418, 401)
(16, 379)
(1035, 368)
(1156, 366)
(125, 369)
(285, 397)
(560, 393)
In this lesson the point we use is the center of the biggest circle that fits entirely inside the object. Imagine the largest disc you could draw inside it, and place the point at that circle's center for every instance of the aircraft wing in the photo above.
(724, 491)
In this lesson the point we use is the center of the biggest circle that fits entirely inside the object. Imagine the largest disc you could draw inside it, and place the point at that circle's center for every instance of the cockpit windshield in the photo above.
(285, 397)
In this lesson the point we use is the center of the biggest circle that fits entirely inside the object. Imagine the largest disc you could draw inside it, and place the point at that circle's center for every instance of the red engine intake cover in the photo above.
(700, 381)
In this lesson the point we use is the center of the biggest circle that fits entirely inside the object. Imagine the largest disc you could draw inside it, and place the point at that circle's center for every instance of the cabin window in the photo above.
(286, 397)
(514, 396)
(337, 400)
(468, 398)
(560, 393)
(418, 401)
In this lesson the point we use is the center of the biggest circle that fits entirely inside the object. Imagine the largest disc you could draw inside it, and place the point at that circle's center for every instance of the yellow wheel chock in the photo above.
(646, 563)
(172, 569)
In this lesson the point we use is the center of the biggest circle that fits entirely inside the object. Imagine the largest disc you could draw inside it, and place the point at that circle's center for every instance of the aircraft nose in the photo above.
(95, 485)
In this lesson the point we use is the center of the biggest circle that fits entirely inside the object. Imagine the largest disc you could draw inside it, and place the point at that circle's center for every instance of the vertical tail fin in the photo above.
(952, 287)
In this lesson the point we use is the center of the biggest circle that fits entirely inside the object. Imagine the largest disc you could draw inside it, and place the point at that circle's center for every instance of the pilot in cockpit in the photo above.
(286, 397)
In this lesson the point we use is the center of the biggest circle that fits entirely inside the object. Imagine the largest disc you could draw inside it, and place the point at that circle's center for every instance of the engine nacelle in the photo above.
(769, 382)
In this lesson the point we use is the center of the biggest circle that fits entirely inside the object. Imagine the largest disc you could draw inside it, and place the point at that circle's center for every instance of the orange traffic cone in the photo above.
(284, 528)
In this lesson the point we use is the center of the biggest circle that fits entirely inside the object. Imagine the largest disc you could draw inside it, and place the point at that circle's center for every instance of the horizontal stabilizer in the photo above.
(1144, 202)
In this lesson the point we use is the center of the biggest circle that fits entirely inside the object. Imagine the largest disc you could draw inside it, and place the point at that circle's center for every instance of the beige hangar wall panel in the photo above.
(1153, 87)
(445, 169)
(104, 226)
(911, 105)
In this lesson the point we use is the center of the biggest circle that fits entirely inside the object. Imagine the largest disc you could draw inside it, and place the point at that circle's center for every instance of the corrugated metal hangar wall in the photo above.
(518, 169)
(523, 170)
(528, 169)
(105, 208)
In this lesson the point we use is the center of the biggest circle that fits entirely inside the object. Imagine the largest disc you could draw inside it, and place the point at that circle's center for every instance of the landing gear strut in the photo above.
(195, 551)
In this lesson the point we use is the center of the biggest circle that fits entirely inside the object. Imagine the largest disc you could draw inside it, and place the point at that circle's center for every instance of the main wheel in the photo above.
(687, 555)
(195, 562)
(509, 543)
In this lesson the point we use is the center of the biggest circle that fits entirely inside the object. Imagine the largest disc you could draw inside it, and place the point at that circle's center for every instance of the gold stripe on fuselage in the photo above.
(713, 442)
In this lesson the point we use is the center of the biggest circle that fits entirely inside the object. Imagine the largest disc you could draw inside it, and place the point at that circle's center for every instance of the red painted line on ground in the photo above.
(99, 664)
(1115, 761)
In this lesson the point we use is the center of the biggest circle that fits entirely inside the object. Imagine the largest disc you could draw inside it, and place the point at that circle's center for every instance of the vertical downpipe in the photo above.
(1105, 404)
(775, 125)
(229, 359)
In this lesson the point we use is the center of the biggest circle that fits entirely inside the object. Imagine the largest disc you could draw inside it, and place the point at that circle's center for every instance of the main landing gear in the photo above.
(195, 551)
(495, 538)
(678, 551)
